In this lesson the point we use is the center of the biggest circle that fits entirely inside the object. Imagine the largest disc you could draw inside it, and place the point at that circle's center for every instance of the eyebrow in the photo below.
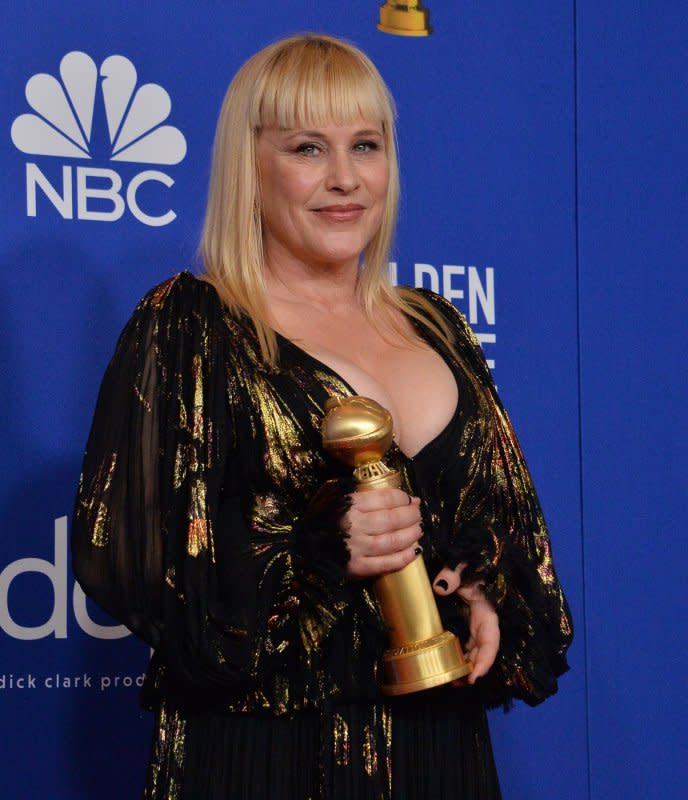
(292, 132)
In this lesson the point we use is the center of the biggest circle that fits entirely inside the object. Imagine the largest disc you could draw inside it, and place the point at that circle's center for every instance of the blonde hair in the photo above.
(302, 81)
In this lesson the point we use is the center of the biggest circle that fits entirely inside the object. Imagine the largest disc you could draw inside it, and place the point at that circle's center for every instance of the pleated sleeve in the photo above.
(499, 532)
(160, 539)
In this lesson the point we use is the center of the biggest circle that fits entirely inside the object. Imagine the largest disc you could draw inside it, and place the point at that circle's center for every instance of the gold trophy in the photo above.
(358, 431)
(404, 19)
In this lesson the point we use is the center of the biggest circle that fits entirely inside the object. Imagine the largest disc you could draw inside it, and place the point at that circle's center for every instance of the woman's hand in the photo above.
(482, 647)
(384, 529)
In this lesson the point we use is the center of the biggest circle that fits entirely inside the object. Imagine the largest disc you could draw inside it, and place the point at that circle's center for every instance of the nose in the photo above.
(342, 173)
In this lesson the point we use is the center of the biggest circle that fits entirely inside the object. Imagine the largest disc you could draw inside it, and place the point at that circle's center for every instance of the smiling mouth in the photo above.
(343, 213)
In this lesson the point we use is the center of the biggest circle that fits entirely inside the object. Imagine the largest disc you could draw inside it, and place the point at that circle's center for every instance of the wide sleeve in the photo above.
(159, 538)
(500, 534)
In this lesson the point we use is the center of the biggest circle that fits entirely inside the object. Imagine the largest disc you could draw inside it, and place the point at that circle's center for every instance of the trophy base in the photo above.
(422, 665)
(401, 20)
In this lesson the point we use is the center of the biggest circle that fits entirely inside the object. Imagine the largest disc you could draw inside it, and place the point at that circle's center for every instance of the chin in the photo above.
(339, 258)
(342, 253)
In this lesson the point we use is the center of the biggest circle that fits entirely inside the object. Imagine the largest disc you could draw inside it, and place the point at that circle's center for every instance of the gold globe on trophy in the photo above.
(404, 19)
(359, 431)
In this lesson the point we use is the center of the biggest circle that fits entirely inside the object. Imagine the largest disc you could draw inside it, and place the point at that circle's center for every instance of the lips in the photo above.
(341, 213)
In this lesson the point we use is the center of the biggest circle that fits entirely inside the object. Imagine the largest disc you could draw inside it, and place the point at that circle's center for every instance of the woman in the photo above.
(210, 520)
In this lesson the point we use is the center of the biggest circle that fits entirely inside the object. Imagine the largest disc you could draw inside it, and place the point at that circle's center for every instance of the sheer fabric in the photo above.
(208, 521)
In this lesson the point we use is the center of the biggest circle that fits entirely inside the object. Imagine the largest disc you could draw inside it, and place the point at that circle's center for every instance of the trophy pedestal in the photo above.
(422, 665)
(404, 19)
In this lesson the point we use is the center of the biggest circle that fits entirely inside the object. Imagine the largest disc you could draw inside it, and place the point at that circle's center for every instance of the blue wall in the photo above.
(543, 164)
(632, 101)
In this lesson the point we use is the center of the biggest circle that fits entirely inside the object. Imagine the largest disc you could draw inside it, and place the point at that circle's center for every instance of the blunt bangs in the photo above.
(312, 82)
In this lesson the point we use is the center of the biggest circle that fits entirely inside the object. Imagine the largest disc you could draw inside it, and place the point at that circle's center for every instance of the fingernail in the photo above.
(442, 584)
(418, 550)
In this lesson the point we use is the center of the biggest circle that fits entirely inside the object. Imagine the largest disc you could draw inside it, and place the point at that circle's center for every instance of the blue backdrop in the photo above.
(543, 164)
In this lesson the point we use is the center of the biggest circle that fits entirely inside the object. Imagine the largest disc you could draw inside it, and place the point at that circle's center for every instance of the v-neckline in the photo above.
(424, 333)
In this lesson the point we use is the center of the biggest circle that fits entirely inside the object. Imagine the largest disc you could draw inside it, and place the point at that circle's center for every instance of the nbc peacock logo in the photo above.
(64, 124)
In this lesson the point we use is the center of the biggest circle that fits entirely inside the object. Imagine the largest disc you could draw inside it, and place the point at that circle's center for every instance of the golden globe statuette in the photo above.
(404, 19)
(358, 431)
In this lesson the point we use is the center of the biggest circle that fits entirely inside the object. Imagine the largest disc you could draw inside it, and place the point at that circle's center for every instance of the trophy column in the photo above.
(358, 431)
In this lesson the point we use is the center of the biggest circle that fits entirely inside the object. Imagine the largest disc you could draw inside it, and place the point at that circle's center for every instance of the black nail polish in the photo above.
(442, 584)
(418, 550)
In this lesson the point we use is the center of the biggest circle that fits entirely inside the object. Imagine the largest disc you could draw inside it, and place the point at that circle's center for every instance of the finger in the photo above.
(382, 544)
(381, 499)
(473, 594)
(373, 566)
(481, 664)
(471, 652)
(446, 581)
(384, 520)
(459, 568)
(364, 548)
(483, 658)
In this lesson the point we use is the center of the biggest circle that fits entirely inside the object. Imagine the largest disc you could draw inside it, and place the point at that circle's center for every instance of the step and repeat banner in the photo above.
(106, 123)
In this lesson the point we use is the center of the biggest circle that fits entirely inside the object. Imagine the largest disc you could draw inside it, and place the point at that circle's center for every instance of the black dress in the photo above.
(208, 521)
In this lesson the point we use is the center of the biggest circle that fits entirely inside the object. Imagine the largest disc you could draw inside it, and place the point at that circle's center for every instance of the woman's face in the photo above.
(323, 192)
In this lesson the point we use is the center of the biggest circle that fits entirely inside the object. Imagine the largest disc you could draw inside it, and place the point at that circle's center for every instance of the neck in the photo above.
(330, 285)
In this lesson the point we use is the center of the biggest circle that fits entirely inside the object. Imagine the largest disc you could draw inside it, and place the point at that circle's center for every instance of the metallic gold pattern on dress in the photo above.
(210, 509)
(99, 537)
(197, 373)
(341, 740)
(169, 578)
(159, 294)
(386, 718)
(143, 399)
(370, 763)
(197, 537)
(282, 434)
(100, 527)
(166, 769)
(180, 463)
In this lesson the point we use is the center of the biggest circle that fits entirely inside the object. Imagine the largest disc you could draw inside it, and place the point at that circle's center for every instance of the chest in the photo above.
(276, 417)
(409, 378)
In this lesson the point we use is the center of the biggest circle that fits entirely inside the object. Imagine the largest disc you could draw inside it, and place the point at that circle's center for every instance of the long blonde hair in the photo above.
(302, 81)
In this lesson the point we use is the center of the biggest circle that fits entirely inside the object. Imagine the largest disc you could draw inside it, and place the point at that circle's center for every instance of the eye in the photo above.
(308, 149)
(366, 146)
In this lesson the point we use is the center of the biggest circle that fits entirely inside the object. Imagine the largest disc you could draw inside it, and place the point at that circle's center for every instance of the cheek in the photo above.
(285, 196)
(299, 185)
(378, 182)
(291, 192)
